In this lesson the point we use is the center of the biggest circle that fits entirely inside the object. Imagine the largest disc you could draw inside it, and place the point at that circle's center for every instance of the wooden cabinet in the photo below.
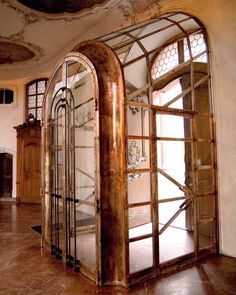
(28, 162)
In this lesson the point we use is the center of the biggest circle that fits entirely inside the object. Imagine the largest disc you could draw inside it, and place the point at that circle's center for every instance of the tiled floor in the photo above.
(27, 269)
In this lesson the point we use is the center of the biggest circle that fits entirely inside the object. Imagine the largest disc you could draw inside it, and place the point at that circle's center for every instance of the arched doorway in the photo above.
(6, 175)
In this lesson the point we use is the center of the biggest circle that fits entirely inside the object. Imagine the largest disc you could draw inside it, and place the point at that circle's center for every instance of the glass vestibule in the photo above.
(71, 162)
(151, 158)
(170, 146)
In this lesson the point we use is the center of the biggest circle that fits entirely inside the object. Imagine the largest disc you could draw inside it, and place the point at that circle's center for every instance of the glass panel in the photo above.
(203, 130)
(178, 17)
(40, 100)
(32, 112)
(173, 126)
(123, 52)
(167, 211)
(138, 154)
(160, 38)
(9, 96)
(189, 24)
(175, 159)
(140, 230)
(135, 51)
(140, 255)
(139, 216)
(80, 81)
(175, 242)
(86, 235)
(32, 89)
(55, 85)
(198, 45)
(166, 60)
(1, 95)
(167, 95)
(131, 77)
(167, 189)
(32, 101)
(41, 86)
(139, 187)
(204, 153)
(39, 113)
(138, 121)
(206, 207)
(205, 181)
(206, 234)
(121, 40)
(157, 25)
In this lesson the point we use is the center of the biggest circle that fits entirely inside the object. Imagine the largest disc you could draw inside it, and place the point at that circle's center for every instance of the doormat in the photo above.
(37, 228)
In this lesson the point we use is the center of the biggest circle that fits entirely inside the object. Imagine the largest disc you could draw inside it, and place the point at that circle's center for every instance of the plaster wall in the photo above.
(10, 116)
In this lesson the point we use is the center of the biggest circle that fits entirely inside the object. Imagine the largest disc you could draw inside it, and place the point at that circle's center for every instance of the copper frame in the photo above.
(110, 60)
(184, 66)
(60, 240)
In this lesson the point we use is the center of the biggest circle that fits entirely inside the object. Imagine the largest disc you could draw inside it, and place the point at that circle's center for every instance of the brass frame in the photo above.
(112, 137)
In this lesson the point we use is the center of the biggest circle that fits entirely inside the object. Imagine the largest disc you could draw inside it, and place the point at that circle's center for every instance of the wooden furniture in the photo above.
(28, 161)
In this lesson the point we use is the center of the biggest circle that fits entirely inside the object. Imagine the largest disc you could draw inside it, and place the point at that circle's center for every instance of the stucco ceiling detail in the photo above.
(61, 6)
(51, 36)
(11, 52)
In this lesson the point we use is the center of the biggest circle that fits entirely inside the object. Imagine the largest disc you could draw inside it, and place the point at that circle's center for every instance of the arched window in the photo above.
(34, 97)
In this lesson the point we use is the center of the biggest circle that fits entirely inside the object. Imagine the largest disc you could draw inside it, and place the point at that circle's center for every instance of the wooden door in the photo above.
(31, 184)
(5, 175)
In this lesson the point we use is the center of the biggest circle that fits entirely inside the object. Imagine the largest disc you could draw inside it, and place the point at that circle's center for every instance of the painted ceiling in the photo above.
(35, 35)
(60, 6)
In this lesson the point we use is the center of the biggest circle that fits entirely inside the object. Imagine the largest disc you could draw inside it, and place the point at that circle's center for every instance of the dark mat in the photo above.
(37, 228)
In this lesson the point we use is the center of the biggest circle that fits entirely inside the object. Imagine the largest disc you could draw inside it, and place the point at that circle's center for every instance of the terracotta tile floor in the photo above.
(27, 269)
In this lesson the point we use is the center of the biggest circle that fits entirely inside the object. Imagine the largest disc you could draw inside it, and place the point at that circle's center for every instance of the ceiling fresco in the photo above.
(61, 6)
(45, 30)
(11, 52)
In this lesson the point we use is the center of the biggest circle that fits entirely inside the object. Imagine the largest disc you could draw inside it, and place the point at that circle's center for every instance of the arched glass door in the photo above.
(71, 148)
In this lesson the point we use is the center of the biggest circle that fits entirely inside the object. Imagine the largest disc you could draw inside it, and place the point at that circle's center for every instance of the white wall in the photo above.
(10, 116)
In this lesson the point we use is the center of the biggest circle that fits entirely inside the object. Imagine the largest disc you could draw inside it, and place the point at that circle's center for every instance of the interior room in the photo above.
(118, 136)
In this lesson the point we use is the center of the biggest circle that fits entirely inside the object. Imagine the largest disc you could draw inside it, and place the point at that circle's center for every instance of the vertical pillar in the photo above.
(112, 161)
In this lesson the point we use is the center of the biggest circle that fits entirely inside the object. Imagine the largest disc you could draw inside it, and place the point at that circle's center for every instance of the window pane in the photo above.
(166, 60)
(138, 121)
(41, 86)
(173, 126)
(138, 154)
(40, 100)
(140, 255)
(1, 95)
(8, 96)
(39, 114)
(32, 89)
(32, 112)
(139, 216)
(138, 187)
(32, 101)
